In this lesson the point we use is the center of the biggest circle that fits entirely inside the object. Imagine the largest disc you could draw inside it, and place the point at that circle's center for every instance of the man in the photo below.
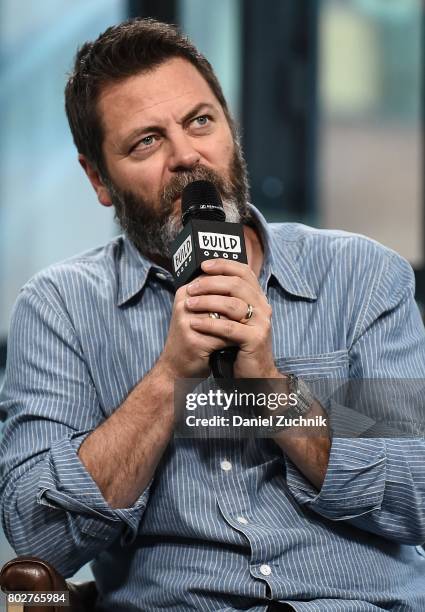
(91, 469)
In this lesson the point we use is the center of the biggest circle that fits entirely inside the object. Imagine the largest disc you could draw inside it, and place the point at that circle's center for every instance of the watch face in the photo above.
(305, 398)
(303, 406)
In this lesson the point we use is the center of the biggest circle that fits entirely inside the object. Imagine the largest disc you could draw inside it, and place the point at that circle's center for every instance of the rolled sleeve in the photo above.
(66, 484)
(354, 483)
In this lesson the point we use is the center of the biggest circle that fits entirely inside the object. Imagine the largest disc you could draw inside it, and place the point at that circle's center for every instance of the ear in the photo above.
(96, 181)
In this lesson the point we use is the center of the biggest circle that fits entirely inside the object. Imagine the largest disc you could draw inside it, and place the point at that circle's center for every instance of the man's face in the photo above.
(162, 130)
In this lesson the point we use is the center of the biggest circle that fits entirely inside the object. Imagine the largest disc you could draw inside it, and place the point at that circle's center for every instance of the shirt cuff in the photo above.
(66, 484)
(354, 483)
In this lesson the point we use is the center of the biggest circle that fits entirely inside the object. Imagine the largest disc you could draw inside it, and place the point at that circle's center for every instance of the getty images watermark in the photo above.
(257, 401)
(259, 407)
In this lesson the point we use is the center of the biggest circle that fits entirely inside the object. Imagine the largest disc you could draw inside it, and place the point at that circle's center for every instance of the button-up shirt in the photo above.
(224, 524)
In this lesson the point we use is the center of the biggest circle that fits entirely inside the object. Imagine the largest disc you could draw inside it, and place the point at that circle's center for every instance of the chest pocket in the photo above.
(324, 365)
(326, 375)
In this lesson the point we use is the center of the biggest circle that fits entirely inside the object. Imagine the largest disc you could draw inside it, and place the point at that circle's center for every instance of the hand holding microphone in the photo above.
(240, 344)
(228, 289)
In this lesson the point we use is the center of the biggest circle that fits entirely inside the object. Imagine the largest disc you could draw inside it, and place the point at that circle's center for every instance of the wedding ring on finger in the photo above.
(249, 313)
(214, 315)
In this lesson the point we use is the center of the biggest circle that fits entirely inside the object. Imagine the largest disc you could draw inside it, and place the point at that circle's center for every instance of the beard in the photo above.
(152, 226)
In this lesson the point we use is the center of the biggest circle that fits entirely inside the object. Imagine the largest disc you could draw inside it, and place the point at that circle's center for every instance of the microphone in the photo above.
(206, 235)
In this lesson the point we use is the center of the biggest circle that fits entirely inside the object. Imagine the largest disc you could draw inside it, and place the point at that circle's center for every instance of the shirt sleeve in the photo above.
(378, 483)
(51, 506)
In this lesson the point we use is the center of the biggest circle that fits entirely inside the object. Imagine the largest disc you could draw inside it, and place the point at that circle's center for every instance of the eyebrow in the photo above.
(156, 128)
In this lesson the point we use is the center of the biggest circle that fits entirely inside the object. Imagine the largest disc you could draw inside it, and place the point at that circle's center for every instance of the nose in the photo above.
(183, 155)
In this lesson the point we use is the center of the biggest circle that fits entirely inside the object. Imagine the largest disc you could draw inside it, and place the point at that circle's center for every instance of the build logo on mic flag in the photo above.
(183, 254)
(225, 243)
(200, 240)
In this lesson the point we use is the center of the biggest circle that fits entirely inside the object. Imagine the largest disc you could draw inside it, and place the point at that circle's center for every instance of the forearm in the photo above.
(310, 449)
(123, 452)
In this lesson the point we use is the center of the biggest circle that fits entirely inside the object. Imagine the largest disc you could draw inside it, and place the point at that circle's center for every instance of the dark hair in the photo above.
(123, 50)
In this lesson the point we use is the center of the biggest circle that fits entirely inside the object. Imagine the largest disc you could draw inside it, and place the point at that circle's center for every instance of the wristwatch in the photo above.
(302, 407)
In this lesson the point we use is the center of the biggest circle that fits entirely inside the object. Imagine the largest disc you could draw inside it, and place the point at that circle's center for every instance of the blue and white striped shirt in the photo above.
(224, 525)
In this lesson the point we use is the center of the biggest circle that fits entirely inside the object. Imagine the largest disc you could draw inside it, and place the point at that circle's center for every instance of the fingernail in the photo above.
(209, 263)
(191, 301)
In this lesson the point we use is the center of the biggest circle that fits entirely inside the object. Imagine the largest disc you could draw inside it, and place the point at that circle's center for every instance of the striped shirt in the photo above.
(224, 524)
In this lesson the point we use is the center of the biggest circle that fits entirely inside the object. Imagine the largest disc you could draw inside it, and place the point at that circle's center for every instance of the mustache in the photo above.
(177, 183)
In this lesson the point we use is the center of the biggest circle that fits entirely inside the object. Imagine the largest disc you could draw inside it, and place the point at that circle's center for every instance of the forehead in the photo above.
(167, 89)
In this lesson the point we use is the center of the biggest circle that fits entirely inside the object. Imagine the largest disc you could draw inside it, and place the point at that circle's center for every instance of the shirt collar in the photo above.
(134, 269)
(281, 258)
(279, 261)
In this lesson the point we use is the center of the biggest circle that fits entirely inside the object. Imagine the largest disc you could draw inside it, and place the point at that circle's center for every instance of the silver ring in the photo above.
(214, 315)
(249, 313)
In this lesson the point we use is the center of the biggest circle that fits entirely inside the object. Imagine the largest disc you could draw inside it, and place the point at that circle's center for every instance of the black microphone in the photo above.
(206, 235)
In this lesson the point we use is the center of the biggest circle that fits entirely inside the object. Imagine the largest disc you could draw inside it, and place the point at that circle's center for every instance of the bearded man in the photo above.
(90, 459)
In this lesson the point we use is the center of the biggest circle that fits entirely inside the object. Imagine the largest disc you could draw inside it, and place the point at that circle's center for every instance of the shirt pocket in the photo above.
(322, 365)
(325, 373)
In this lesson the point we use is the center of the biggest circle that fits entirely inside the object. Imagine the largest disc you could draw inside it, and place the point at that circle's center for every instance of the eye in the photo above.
(146, 144)
(147, 141)
(202, 120)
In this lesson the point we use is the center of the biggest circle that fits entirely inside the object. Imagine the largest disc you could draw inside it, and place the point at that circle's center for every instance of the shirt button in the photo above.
(242, 520)
(266, 570)
(226, 465)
